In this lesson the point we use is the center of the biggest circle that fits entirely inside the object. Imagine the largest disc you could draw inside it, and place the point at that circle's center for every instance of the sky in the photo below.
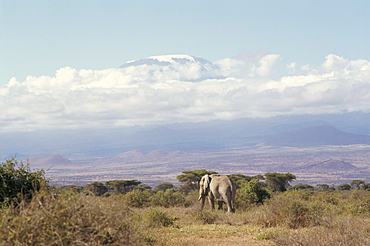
(59, 61)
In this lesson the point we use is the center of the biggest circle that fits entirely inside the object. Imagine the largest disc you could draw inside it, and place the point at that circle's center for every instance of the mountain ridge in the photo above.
(88, 144)
(316, 136)
(331, 165)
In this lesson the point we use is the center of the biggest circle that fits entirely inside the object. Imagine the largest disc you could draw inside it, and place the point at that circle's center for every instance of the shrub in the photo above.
(18, 182)
(361, 208)
(251, 193)
(291, 209)
(330, 198)
(73, 219)
(147, 198)
(169, 198)
(341, 231)
(137, 198)
(358, 203)
(157, 218)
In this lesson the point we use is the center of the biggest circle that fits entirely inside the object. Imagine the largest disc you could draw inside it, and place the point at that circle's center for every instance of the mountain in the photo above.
(49, 161)
(137, 156)
(85, 145)
(329, 166)
(316, 136)
(188, 67)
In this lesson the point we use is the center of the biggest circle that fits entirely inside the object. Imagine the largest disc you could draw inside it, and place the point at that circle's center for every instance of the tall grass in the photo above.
(317, 218)
(55, 217)
(69, 219)
(340, 231)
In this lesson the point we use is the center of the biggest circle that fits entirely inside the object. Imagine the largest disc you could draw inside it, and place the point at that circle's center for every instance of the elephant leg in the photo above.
(202, 203)
(227, 199)
(220, 203)
(211, 202)
(230, 206)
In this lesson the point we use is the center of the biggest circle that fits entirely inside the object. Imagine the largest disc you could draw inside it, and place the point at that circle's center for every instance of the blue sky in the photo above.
(39, 37)
(59, 61)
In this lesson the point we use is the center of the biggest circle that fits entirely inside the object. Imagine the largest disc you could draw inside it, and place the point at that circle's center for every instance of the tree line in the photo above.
(18, 182)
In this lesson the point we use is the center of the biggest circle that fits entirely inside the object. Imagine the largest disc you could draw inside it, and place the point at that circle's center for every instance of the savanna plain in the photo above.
(40, 214)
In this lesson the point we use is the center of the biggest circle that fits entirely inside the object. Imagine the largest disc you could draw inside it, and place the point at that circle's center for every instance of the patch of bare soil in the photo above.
(214, 235)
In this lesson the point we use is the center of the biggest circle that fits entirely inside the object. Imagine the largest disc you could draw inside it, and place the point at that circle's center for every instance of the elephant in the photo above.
(217, 187)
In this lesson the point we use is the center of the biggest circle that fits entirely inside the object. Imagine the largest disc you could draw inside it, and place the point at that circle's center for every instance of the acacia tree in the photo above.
(357, 183)
(164, 186)
(303, 187)
(123, 186)
(191, 179)
(344, 187)
(366, 186)
(72, 188)
(279, 181)
(239, 179)
(323, 186)
(95, 188)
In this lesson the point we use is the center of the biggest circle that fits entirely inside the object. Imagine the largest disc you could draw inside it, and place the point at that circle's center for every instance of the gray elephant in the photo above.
(219, 188)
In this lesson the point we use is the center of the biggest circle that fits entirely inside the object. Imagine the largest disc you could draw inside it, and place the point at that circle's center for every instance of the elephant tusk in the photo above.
(200, 197)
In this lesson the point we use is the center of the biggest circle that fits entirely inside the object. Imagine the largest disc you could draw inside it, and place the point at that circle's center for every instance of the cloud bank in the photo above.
(182, 91)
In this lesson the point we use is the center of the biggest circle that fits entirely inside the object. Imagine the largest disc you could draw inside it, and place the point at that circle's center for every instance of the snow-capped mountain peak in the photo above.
(167, 60)
(188, 67)
(173, 58)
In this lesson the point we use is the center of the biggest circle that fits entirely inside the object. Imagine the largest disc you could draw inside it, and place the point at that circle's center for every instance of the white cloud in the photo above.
(265, 65)
(334, 63)
(292, 66)
(149, 94)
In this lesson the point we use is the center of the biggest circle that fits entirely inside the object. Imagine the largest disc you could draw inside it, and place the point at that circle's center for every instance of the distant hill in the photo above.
(316, 136)
(328, 166)
(49, 161)
(137, 156)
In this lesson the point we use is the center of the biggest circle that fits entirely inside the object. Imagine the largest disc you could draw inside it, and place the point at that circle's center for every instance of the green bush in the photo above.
(358, 203)
(250, 193)
(157, 218)
(137, 198)
(147, 198)
(306, 208)
(169, 198)
(18, 183)
(292, 209)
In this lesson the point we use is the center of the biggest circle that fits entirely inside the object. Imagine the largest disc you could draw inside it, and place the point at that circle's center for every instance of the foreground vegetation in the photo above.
(46, 215)
(55, 217)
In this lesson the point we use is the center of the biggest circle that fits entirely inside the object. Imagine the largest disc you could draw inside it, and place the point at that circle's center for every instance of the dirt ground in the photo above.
(215, 235)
